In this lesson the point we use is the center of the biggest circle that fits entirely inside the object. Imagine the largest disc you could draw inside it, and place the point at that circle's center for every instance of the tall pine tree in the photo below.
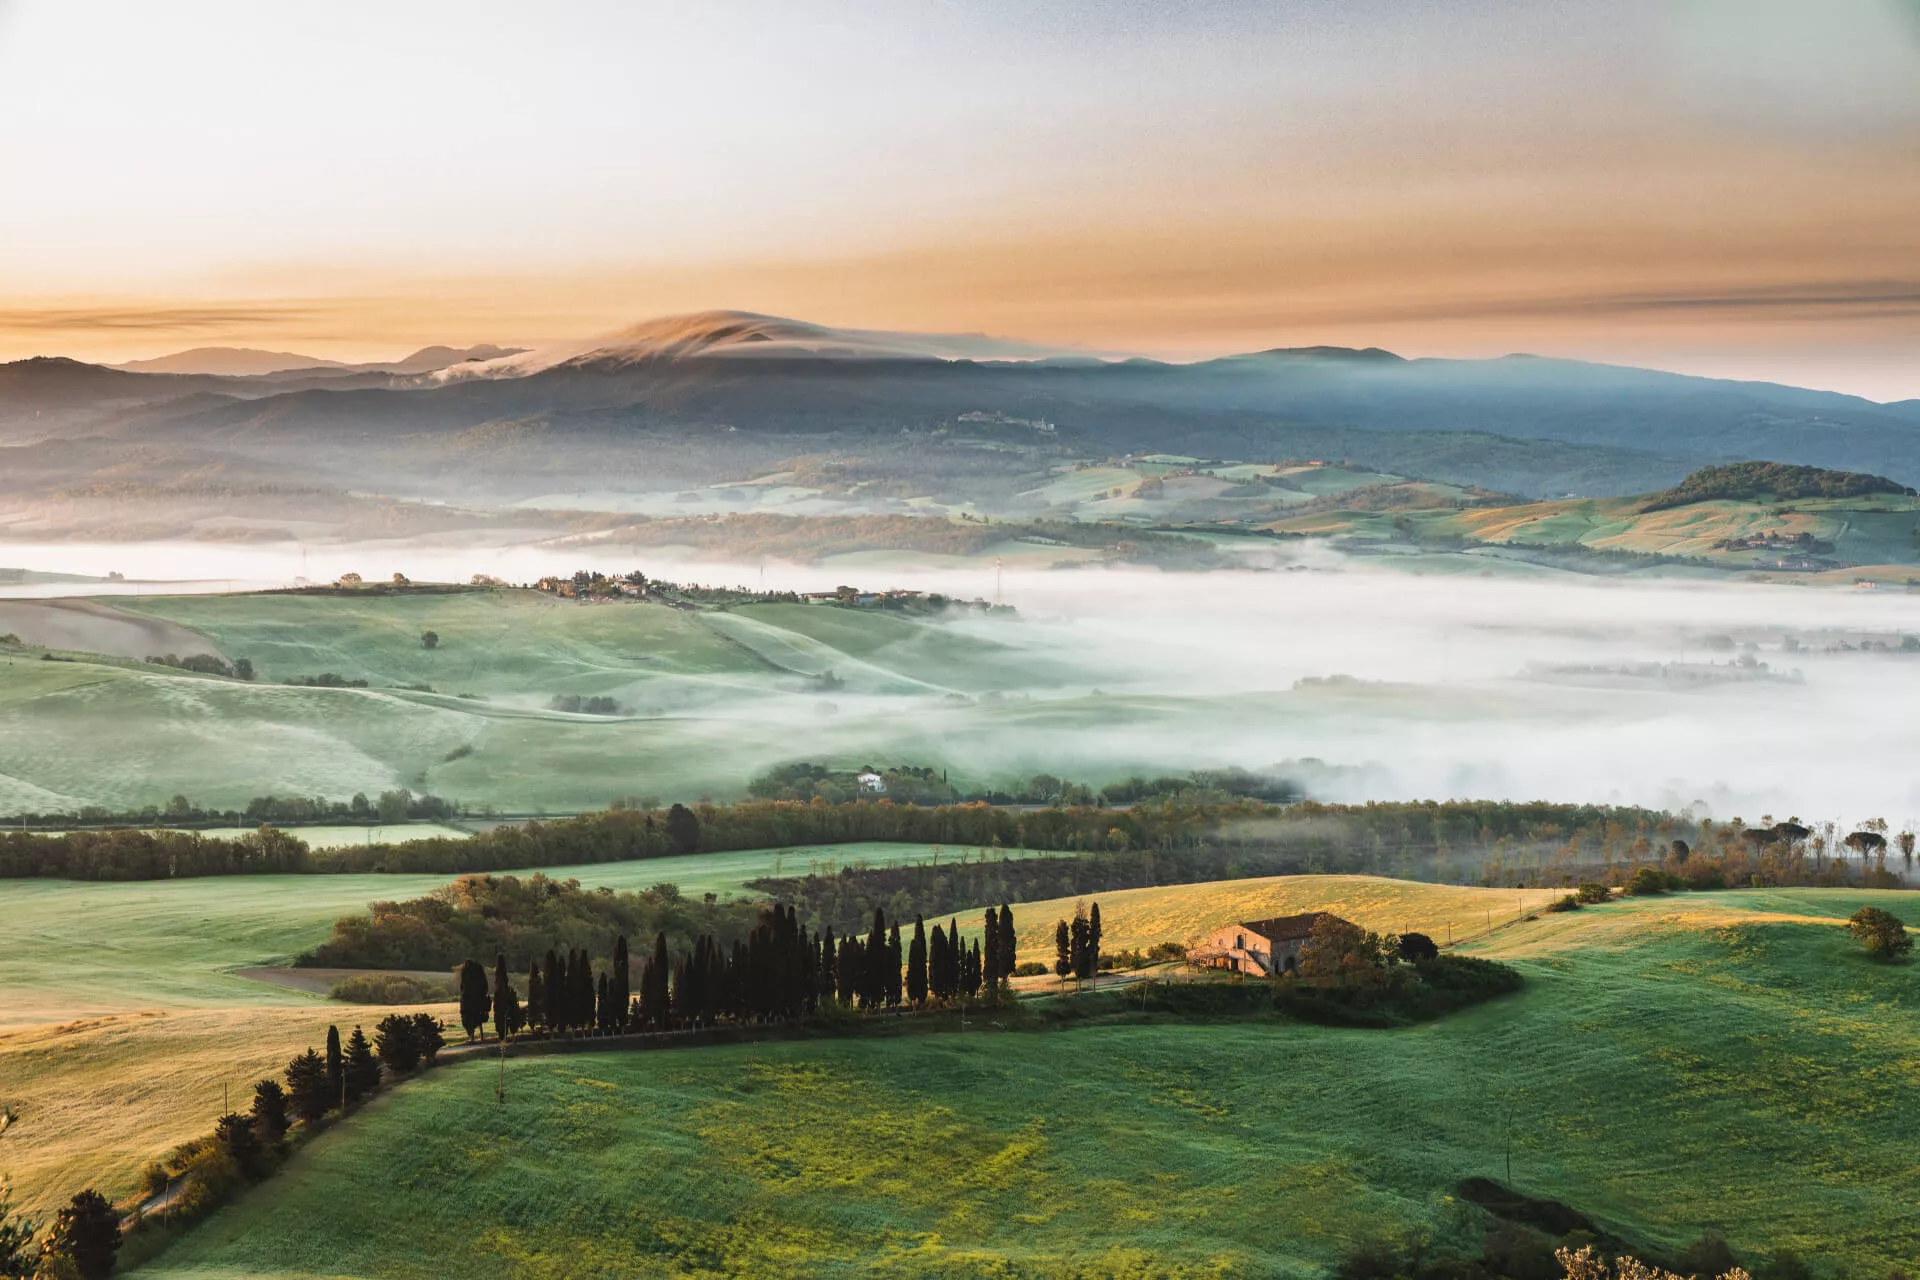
(309, 1091)
(363, 1069)
(1062, 951)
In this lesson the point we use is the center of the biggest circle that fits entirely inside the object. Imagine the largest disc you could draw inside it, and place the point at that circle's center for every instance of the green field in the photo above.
(686, 683)
(1726, 1061)
(122, 1015)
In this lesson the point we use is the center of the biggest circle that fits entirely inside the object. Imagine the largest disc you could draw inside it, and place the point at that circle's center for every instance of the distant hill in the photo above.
(228, 362)
(1770, 480)
(686, 401)
(246, 362)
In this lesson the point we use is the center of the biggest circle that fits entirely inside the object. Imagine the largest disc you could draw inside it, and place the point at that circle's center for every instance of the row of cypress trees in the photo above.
(778, 972)
(1076, 945)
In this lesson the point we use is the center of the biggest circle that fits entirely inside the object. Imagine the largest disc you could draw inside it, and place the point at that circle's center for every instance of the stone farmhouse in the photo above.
(1260, 947)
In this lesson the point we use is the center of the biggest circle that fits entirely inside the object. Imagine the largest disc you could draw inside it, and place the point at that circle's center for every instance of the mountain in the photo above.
(687, 401)
(743, 333)
(228, 362)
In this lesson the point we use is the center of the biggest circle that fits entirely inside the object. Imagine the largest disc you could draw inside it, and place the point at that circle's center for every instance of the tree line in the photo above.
(779, 971)
(1419, 840)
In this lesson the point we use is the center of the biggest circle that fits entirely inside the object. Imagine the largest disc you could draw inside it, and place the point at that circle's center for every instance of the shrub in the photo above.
(1881, 932)
(1570, 902)
(1418, 946)
(1647, 881)
(390, 988)
(1590, 892)
(1029, 969)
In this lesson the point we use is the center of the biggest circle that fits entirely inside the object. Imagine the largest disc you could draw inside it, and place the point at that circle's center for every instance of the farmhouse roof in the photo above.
(1285, 928)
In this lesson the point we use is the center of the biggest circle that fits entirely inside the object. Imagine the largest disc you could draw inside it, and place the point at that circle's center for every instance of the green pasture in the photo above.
(686, 683)
(125, 1023)
(84, 948)
(1727, 1061)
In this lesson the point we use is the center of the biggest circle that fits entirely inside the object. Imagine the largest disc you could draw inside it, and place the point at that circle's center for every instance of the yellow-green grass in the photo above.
(1728, 1062)
(1875, 530)
(121, 1010)
(1135, 919)
(528, 645)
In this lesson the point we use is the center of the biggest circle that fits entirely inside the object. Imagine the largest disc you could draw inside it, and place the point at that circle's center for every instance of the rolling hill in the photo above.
(1719, 1062)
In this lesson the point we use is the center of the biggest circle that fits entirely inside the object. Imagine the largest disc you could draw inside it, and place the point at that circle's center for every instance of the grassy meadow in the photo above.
(122, 1012)
(471, 718)
(1727, 1061)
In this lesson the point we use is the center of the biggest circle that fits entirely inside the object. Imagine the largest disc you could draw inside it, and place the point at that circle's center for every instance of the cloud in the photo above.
(1810, 300)
(178, 319)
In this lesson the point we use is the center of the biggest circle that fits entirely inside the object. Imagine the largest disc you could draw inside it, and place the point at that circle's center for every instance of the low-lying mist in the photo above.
(1734, 699)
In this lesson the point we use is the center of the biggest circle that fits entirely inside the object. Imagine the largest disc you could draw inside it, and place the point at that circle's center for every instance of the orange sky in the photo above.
(1722, 186)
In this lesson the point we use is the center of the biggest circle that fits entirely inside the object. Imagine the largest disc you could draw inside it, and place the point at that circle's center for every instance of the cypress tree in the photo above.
(536, 998)
(586, 1001)
(309, 1090)
(1062, 951)
(956, 959)
(990, 951)
(555, 991)
(917, 964)
(505, 1007)
(974, 971)
(1077, 941)
(655, 989)
(893, 966)
(603, 1012)
(826, 972)
(847, 969)
(937, 965)
(474, 1001)
(622, 981)
(336, 1069)
(1093, 941)
(1009, 945)
(363, 1069)
(874, 989)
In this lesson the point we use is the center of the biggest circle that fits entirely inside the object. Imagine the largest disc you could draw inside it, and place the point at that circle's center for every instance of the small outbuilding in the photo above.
(1261, 947)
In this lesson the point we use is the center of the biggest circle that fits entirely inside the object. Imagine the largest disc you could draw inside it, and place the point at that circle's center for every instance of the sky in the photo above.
(1729, 187)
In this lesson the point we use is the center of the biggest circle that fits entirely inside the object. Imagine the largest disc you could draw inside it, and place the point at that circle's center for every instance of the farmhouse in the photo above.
(1262, 947)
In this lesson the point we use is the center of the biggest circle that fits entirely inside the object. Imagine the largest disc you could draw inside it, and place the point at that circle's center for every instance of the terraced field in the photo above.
(1726, 1061)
